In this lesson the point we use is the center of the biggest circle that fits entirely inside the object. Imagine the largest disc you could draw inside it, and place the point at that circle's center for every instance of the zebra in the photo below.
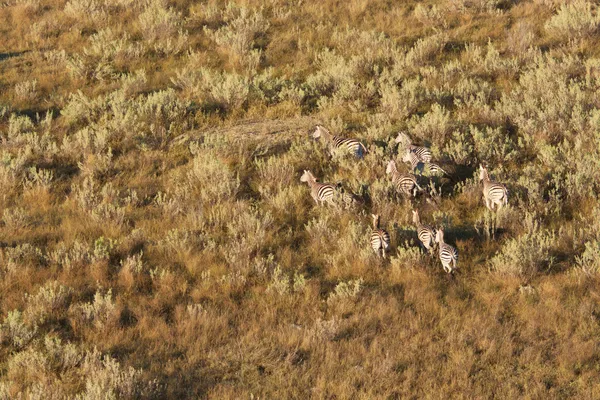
(320, 192)
(406, 183)
(422, 166)
(425, 233)
(422, 152)
(448, 254)
(494, 193)
(348, 198)
(380, 239)
(334, 142)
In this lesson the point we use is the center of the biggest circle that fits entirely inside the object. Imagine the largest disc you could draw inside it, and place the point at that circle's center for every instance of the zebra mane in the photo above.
(309, 176)
(375, 221)
(439, 235)
(416, 217)
(484, 174)
(324, 132)
(403, 138)
(391, 167)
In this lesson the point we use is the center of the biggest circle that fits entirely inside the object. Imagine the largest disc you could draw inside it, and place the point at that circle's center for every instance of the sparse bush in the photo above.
(162, 28)
(435, 126)
(430, 16)
(92, 11)
(106, 378)
(207, 169)
(16, 218)
(325, 330)
(100, 312)
(345, 291)
(15, 331)
(574, 19)
(26, 91)
(134, 263)
(39, 178)
(528, 254)
(283, 285)
(589, 261)
(403, 101)
(214, 89)
(238, 35)
(49, 299)
(22, 255)
(407, 256)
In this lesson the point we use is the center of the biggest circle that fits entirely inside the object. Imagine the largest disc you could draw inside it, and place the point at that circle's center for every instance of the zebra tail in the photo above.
(364, 148)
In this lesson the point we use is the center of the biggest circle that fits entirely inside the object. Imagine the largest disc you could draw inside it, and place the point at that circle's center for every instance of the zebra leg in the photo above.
(488, 223)
(425, 247)
(487, 204)
(315, 198)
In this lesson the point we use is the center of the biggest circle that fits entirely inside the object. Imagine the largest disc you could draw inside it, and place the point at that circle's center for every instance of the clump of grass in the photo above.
(528, 254)
(574, 20)
(156, 241)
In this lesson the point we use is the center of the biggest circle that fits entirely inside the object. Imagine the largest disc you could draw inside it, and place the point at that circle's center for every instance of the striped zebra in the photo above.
(347, 198)
(494, 193)
(334, 142)
(425, 233)
(320, 192)
(422, 152)
(406, 183)
(423, 167)
(448, 254)
(380, 239)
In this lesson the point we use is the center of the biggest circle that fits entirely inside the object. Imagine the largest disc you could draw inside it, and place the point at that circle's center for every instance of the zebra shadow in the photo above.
(6, 56)
(465, 232)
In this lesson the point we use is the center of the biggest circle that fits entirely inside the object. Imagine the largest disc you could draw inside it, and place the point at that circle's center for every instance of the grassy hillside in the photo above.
(156, 240)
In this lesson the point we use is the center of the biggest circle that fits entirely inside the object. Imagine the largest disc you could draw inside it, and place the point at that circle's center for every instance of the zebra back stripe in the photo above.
(423, 153)
(405, 182)
(352, 145)
(448, 253)
(426, 235)
(496, 191)
(380, 239)
(324, 191)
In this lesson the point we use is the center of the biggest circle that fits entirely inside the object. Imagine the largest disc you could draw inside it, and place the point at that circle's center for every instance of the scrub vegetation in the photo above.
(156, 240)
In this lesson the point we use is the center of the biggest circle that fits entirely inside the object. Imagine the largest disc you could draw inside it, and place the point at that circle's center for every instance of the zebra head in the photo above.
(439, 235)
(319, 131)
(307, 176)
(416, 219)
(375, 221)
(391, 167)
(483, 173)
(402, 138)
(408, 156)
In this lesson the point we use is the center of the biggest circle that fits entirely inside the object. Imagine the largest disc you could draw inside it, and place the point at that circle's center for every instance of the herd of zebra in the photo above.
(420, 159)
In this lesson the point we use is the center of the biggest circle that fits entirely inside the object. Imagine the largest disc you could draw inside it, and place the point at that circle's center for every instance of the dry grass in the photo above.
(156, 240)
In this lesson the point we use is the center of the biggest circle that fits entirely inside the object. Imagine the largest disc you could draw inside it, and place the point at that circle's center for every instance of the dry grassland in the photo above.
(156, 240)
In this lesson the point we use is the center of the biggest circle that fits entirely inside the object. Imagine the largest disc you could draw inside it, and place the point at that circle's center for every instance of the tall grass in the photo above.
(156, 240)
